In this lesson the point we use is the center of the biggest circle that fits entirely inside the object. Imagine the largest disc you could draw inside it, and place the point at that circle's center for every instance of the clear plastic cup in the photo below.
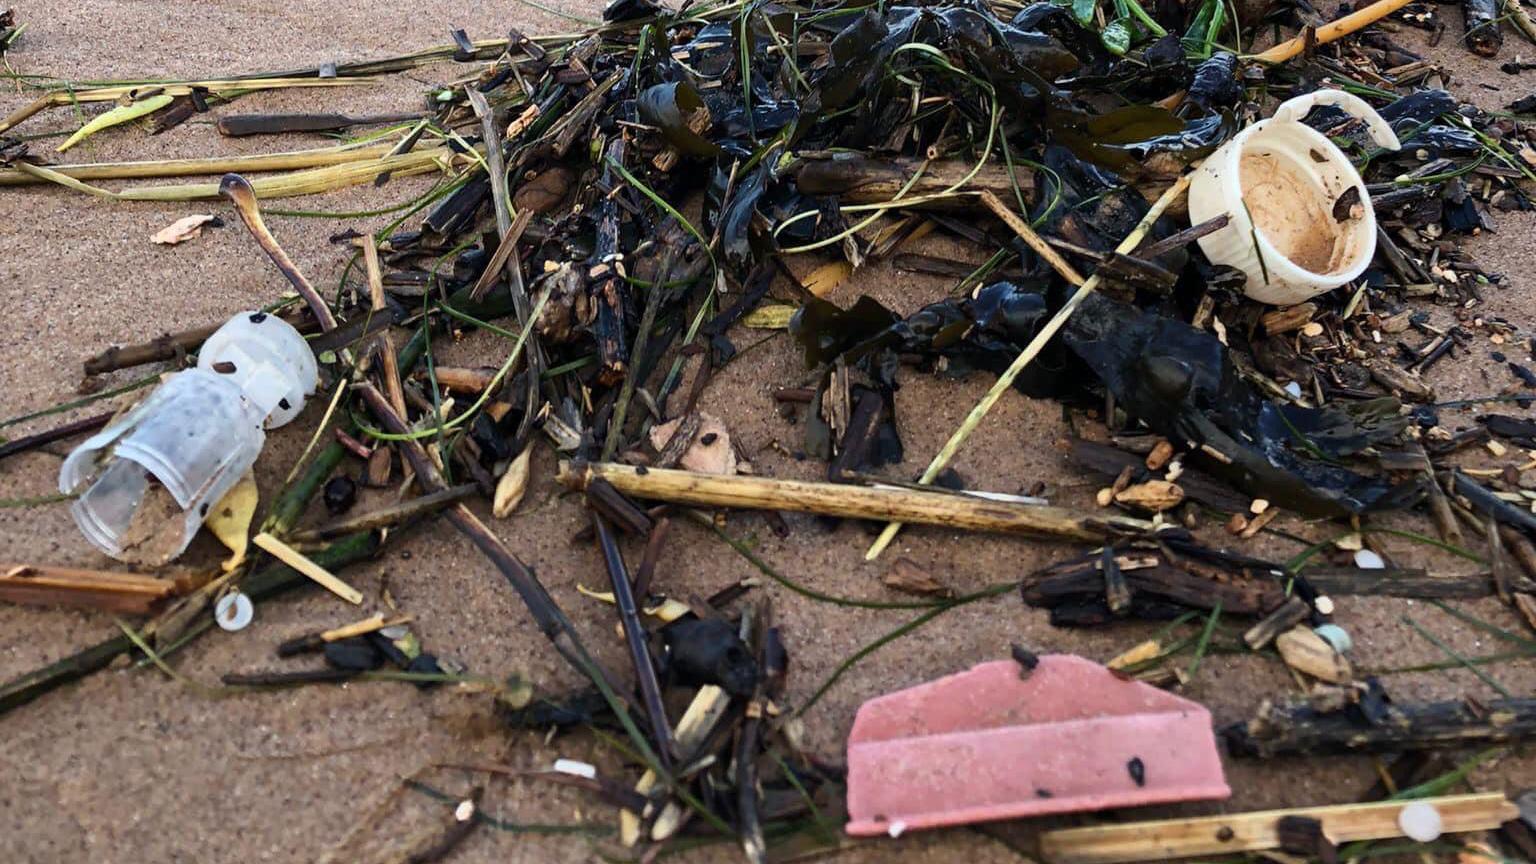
(195, 435)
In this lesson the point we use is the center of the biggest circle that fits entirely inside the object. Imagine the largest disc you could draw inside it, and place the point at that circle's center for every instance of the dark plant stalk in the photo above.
(288, 679)
(634, 636)
(58, 433)
(642, 338)
(239, 192)
(772, 664)
(386, 517)
(1301, 729)
(290, 506)
(609, 292)
(653, 547)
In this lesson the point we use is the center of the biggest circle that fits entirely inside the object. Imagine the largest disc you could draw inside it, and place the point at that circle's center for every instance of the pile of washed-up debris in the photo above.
(844, 132)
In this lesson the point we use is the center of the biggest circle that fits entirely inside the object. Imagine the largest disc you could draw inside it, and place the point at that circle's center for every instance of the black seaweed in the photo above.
(355, 655)
(340, 494)
(1215, 84)
(710, 651)
(1181, 383)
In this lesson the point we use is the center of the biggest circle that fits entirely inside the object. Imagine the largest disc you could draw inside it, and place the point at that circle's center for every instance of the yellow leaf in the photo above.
(1136, 654)
(772, 316)
(230, 519)
(667, 610)
(512, 485)
(120, 114)
(825, 279)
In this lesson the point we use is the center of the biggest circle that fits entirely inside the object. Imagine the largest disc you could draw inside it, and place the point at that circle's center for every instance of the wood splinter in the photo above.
(316, 641)
(1250, 832)
(123, 593)
(295, 559)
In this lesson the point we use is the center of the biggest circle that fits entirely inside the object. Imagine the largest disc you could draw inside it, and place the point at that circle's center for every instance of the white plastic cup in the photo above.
(196, 434)
(1278, 180)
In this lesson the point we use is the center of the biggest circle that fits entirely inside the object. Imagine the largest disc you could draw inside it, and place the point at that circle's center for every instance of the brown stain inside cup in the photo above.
(154, 533)
(1290, 214)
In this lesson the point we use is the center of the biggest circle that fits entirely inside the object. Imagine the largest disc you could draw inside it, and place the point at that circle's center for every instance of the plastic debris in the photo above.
(1280, 180)
(989, 744)
(1366, 559)
(148, 481)
(1336, 636)
(234, 611)
(1421, 821)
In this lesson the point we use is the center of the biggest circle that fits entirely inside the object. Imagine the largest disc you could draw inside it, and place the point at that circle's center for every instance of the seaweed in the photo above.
(982, 332)
(710, 651)
(1214, 85)
(1181, 383)
(1143, 140)
(675, 108)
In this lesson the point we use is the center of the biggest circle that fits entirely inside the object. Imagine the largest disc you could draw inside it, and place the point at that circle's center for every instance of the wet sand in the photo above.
(130, 766)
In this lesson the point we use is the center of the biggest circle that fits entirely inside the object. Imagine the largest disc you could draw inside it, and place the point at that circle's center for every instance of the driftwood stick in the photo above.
(1237, 595)
(1406, 583)
(652, 555)
(1482, 499)
(1289, 614)
(505, 251)
(1181, 238)
(1030, 238)
(501, 199)
(1300, 728)
(1440, 508)
(104, 580)
(1110, 461)
(609, 294)
(462, 379)
(1520, 19)
(854, 502)
(618, 509)
(386, 346)
(1168, 839)
(1521, 547)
